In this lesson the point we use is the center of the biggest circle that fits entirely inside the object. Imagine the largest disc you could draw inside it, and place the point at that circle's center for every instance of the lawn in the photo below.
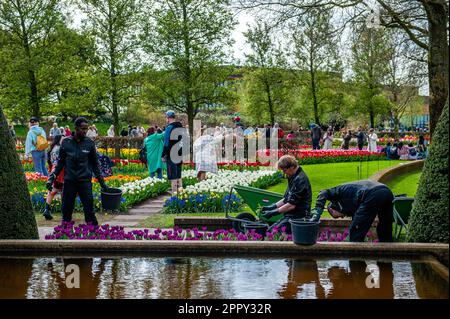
(405, 184)
(321, 176)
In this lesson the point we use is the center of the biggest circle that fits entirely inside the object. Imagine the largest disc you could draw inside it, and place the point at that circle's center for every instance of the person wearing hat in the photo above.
(154, 145)
(316, 135)
(174, 161)
(78, 158)
(39, 156)
(363, 201)
(296, 202)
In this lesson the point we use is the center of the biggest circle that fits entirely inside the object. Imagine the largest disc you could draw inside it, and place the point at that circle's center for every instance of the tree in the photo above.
(16, 213)
(26, 27)
(315, 44)
(403, 78)
(370, 67)
(115, 26)
(188, 41)
(425, 23)
(429, 216)
(266, 80)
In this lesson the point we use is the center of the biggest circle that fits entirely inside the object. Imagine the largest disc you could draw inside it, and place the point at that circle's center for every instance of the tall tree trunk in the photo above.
(270, 104)
(437, 59)
(314, 95)
(16, 213)
(113, 82)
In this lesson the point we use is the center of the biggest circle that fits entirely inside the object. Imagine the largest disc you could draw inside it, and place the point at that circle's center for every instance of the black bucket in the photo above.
(260, 228)
(304, 232)
(111, 199)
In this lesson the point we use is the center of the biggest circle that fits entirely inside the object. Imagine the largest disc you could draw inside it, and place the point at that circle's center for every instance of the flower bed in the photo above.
(68, 231)
(135, 192)
(212, 194)
(329, 156)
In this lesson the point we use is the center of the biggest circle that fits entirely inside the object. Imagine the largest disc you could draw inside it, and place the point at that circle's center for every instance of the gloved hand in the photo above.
(102, 183)
(270, 213)
(267, 208)
(50, 180)
(314, 216)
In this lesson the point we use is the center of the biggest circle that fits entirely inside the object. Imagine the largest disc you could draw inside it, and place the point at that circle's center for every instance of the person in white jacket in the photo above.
(328, 139)
(373, 138)
(111, 132)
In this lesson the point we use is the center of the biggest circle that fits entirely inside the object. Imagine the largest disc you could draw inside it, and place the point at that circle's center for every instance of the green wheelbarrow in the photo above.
(255, 198)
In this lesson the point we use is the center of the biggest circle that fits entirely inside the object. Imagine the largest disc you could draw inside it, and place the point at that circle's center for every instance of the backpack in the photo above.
(41, 142)
(143, 154)
(412, 151)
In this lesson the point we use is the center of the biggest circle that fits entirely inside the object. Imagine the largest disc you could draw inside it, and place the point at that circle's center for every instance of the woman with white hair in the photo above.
(111, 132)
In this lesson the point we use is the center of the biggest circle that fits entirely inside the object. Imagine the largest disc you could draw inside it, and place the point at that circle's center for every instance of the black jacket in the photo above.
(299, 193)
(168, 142)
(350, 195)
(79, 160)
(316, 132)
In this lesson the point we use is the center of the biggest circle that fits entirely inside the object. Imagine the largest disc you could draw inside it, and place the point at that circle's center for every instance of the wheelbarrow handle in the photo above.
(227, 207)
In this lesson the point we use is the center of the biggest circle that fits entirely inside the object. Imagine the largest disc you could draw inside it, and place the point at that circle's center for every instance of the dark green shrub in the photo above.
(429, 216)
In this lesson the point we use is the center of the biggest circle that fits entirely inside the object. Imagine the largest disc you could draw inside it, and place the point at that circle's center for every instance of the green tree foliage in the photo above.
(26, 28)
(317, 66)
(115, 25)
(429, 216)
(188, 41)
(370, 65)
(267, 90)
(16, 214)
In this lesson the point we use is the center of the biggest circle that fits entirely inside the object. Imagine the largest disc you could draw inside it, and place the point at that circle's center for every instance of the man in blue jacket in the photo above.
(173, 156)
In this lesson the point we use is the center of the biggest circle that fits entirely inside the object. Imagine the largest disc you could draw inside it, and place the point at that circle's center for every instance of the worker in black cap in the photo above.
(363, 201)
(78, 157)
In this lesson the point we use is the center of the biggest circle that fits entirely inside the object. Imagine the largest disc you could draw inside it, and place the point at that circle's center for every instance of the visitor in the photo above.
(268, 130)
(373, 138)
(386, 150)
(346, 138)
(393, 152)
(328, 139)
(111, 132)
(363, 201)
(36, 144)
(134, 132)
(277, 131)
(130, 128)
(54, 131)
(52, 157)
(140, 131)
(67, 131)
(63, 132)
(174, 163)
(154, 145)
(316, 136)
(205, 153)
(422, 147)
(403, 151)
(413, 154)
(91, 133)
(360, 138)
(124, 132)
(78, 157)
(290, 136)
(296, 202)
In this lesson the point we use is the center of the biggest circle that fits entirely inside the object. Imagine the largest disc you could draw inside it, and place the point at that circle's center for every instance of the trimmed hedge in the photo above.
(429, 217)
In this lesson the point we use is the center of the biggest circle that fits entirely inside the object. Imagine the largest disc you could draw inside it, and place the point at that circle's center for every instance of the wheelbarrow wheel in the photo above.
(239, 226)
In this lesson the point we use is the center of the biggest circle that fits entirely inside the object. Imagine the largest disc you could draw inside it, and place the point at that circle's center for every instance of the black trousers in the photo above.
(316, 144)
(69, 195)
(376, 202)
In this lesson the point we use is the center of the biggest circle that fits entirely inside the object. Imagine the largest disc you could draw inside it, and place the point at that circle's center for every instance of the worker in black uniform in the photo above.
(78, 157)
(363, 201)
(296, 202)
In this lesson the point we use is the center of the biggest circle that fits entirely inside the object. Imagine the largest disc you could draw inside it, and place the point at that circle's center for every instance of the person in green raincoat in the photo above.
(154, 144)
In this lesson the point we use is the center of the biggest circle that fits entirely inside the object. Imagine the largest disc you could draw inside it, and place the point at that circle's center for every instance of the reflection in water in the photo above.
(200, 277)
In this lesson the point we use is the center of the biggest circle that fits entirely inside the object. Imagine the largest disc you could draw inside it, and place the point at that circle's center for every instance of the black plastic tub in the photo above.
(111, 199)
(304, 232)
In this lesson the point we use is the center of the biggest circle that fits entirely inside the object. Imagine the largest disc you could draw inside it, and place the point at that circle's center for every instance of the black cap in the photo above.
(34, 119)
